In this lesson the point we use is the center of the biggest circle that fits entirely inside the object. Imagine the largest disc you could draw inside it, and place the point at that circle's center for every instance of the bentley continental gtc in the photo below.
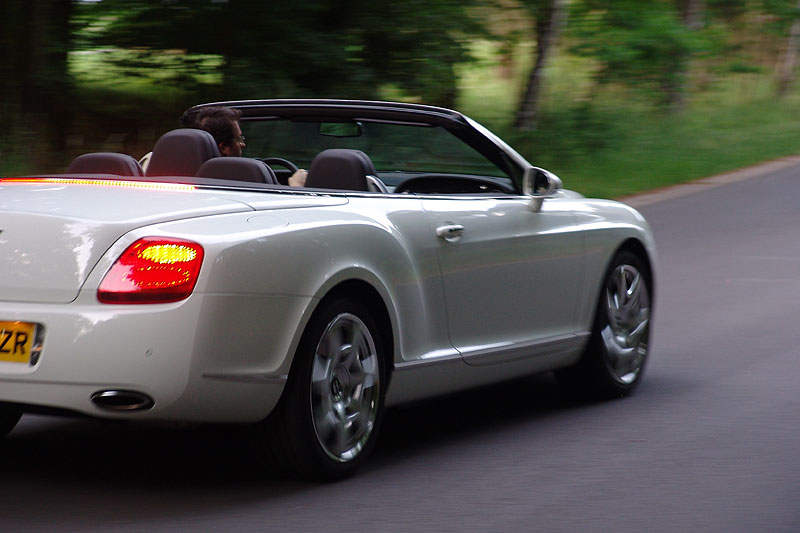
(423, 256)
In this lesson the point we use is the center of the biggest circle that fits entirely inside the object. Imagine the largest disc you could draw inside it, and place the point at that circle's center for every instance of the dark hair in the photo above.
(216, 120)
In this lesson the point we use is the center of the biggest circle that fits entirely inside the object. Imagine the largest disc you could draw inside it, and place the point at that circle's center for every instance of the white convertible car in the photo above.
(424, 256)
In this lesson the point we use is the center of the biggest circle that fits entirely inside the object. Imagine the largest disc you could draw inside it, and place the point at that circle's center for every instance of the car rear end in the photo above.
(98, 310)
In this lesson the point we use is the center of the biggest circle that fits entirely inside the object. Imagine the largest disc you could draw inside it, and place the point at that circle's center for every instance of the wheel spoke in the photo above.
(633, 296)
(338, 442)
(635, 336)
(326, 425)
(345, 386)
(358, 422)
(331, 343)
(321, 369)
(623, 360)
(633, 287)
(622, 287)
(628, 316)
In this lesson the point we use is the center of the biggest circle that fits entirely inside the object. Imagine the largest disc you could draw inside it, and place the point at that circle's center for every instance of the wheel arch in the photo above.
(632, 245)
(591, 376)
(287, 431)
(368, 295)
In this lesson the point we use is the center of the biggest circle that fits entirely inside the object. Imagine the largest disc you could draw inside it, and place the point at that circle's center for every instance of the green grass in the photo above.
(618, 145)
(645, 151)
(129, 70)
(610, 145)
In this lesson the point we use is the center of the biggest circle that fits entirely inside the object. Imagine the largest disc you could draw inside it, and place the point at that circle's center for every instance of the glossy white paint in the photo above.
(519, 264)
(513, 279)
(476, 288)
(53, 233)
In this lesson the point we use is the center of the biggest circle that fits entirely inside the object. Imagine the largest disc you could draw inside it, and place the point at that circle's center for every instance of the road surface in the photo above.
(708, 443)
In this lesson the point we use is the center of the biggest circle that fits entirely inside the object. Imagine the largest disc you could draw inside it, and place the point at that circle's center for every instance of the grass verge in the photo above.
(617, 145)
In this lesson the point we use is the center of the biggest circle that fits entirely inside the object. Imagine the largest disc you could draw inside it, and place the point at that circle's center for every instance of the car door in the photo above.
(511, 276)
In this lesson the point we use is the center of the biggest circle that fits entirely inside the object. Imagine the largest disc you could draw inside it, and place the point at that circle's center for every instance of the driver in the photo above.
(223, 124)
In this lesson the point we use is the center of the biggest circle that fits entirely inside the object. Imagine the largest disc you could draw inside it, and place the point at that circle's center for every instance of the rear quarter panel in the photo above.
(265, 273)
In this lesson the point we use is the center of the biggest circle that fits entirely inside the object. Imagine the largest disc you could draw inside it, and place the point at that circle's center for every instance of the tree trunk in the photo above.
(34, 75)
(547, 32)
(691, 12)
(786, 73)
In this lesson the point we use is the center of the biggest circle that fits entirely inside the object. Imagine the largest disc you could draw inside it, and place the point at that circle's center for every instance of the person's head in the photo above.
(223, 124)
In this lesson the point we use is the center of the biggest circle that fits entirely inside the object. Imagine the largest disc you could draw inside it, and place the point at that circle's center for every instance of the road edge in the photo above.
(702, 184)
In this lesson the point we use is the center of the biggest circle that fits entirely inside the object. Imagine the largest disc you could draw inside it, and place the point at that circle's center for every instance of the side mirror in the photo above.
(538, 184)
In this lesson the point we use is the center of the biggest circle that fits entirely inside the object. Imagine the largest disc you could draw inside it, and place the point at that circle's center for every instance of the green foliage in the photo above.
(610, 150)
(783, 13)
(728, 10)
(35, 86)
(639, 44)
(327, 48)
(137, 64)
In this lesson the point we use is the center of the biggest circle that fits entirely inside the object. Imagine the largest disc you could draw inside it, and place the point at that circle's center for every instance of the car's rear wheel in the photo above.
(614, 361)
(327, 421)
(9, 416)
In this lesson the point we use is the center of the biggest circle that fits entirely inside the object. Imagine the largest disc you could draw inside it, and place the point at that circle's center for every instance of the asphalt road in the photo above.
(708, 443)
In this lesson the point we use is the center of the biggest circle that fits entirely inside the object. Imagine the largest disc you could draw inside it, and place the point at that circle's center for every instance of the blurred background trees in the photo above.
(571, 82)
(327, 48)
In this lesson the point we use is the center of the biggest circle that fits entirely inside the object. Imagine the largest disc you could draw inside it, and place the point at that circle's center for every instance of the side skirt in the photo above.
(416, 380)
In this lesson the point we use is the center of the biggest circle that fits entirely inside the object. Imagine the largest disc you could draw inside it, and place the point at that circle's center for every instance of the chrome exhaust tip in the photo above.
(122, 400)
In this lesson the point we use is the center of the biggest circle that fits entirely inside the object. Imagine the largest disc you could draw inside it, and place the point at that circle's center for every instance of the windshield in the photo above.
(396, 150)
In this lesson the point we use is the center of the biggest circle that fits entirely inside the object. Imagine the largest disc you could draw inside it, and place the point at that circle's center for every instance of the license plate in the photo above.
(17, 341)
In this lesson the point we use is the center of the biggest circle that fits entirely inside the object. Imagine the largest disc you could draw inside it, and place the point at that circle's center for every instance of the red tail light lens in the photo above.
(153, 270)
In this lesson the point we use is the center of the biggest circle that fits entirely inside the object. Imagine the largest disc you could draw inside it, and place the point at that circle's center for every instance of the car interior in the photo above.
(191, 156)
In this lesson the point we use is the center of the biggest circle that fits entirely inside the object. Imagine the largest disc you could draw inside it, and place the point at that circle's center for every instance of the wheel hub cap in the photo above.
(628, 313)
(345, 387)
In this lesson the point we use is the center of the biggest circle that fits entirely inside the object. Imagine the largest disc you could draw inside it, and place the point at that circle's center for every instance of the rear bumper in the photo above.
(201, 359)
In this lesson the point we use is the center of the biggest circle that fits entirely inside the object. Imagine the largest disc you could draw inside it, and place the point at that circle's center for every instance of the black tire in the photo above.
(9, 416)
(327, 421)
(614, 361)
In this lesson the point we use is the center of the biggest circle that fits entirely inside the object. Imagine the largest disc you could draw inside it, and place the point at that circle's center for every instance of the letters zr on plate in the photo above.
(16, 341)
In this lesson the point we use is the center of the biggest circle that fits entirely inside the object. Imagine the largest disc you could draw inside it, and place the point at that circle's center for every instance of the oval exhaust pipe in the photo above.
(122, 400)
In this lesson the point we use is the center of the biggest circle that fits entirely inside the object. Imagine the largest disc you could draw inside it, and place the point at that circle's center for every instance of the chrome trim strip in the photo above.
(250, 378)
(562, 344)
(433, 361)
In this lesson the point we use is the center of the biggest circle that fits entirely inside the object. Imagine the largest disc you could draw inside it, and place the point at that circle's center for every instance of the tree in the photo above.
(692, 14)
(326, 48)
(550, 17)
(34, 77)
(787, 22)
(641, 45)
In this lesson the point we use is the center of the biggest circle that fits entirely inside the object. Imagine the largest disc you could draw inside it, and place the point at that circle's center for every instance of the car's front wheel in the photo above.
(327, 421)
(614, 361)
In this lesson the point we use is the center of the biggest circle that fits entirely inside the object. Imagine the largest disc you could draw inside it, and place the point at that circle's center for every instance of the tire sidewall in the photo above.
(312, 458)
(607, 382)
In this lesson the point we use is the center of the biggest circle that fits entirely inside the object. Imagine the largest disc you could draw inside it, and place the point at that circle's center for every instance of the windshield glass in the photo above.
(396, 150)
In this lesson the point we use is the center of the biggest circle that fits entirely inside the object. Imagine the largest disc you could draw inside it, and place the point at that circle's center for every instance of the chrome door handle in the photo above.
(450, 232)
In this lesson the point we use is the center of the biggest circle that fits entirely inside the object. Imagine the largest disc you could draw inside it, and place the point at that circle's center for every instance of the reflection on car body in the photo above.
(424, 256)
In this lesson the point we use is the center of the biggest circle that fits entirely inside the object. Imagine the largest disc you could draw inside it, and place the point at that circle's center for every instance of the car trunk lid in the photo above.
(53, 233)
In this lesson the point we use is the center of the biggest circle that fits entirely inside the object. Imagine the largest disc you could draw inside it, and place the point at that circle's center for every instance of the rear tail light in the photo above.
(153, 270)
